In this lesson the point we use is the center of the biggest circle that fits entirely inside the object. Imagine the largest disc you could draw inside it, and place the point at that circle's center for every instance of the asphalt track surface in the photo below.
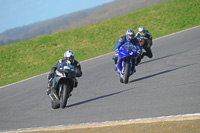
(167, 84)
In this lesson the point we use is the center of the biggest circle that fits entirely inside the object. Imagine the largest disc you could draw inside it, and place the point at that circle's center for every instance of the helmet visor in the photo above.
(142, 33)
(130, 36)
(71, 58)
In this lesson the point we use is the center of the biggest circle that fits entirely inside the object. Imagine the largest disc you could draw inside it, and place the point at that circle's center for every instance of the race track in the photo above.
(167, 84)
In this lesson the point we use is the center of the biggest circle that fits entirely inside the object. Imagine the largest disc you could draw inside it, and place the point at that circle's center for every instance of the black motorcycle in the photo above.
(144, 42)
(63, 84)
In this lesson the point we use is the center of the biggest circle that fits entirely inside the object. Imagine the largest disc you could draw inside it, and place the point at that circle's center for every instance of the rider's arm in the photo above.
(149, 35)
(137, 35)
(59, 62)
(117, 46)
(53, 69)
(78, 69)
(119, 43)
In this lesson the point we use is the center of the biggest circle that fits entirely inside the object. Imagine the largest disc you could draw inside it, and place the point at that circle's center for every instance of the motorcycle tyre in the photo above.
(126, 73)
(65, 95)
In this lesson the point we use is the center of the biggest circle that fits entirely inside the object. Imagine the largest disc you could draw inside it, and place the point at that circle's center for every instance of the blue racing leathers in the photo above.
(123, 40)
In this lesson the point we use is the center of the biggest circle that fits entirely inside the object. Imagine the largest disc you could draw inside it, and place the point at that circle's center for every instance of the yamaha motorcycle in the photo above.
(63, 84)
(126, 61)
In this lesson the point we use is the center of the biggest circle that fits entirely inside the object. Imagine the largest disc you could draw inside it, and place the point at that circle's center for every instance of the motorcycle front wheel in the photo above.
(64, 95)
(126, 72)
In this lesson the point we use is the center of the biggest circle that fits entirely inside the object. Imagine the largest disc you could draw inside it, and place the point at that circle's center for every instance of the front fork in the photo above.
(132, 66)
(60, 90)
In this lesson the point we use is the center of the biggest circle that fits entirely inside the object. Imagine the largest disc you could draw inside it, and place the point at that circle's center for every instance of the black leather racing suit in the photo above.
(75, 63)
(147, 43)
(51, 75)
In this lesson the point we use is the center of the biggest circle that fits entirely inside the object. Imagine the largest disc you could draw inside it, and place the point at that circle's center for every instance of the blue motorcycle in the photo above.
(126, 61)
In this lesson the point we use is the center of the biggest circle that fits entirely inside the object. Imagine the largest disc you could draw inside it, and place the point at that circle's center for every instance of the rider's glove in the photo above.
(67, 68)
(60, 61)
(116, 51)
(50, 75)
(138, 52)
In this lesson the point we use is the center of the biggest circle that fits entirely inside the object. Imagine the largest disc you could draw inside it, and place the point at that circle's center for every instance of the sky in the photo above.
(17, 13)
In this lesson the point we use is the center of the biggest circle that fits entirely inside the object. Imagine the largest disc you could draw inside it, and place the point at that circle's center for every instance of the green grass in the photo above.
(25, 59)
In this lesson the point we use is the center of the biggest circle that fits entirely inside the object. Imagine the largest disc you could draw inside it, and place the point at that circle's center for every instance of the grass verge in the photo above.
(172, 125)
(25, 59)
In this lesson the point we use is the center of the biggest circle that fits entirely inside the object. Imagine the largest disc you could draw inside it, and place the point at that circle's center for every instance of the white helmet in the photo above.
(69, 56)
(142, 30)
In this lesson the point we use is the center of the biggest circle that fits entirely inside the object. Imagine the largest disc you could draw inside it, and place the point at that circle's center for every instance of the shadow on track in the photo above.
(163, 72)
(162, 57)
(100, 97)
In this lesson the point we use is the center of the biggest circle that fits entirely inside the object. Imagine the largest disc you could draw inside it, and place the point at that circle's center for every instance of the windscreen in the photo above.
(128, 46)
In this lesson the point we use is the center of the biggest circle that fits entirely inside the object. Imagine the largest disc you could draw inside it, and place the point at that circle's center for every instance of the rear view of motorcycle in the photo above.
(63, 84)
(126, 61)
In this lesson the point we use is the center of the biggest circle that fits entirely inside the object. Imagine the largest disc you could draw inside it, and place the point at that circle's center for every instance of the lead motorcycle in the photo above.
(63, 84)
(126, 61)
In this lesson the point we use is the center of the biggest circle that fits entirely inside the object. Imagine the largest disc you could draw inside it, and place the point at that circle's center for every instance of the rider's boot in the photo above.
(48, 91)
(76, 83)
(115, 57)
(138, 60)
(143, 54)
(116, 67)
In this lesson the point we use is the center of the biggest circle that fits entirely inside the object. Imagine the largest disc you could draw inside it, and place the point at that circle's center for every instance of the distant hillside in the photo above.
(42, 28)
(74, 20)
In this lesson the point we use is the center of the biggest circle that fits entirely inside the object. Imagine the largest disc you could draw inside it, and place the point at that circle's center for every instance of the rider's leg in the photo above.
(138, 59)
(149, 53)
(50, 80)
(115, 57)
(76, 83)
(49, 83)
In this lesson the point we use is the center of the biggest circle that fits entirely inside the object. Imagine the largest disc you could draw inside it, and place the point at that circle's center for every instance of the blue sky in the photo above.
(17, 13)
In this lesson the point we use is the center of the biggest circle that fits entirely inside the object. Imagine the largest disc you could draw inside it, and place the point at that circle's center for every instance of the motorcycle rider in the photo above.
(69, 59)
(146, 35)
(129, 37)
